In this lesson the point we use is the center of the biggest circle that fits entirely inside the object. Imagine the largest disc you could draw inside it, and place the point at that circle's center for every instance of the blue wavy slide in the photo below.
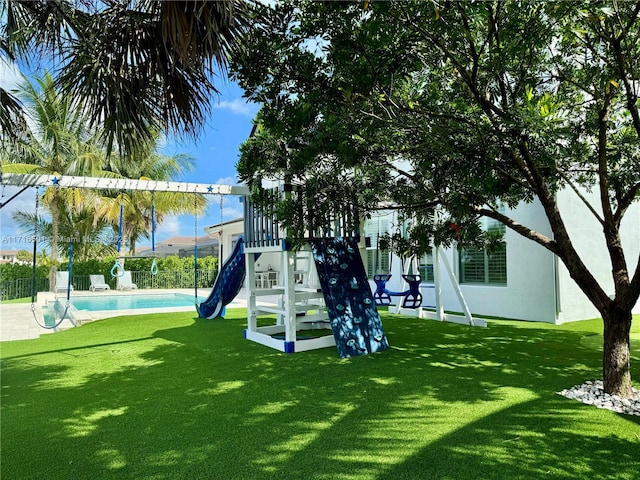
(227, 285)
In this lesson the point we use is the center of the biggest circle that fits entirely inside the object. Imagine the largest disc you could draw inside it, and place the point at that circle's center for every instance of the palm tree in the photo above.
(58, 142)
(137, 205)
(135, 66)
(89, 234)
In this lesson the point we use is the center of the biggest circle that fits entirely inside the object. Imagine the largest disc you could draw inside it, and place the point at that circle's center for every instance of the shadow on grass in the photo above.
(175, 397)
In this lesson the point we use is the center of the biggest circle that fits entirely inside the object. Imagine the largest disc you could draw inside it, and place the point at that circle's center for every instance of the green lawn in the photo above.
(17, 300)
(171, 397)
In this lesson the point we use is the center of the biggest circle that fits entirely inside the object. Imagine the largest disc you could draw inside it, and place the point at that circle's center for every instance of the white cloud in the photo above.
(231, 213)
(227, 181)
(169, 227)
(238, 106)
(10, 75)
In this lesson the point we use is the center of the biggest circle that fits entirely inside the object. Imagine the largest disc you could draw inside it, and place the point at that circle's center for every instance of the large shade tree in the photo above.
(463, 106)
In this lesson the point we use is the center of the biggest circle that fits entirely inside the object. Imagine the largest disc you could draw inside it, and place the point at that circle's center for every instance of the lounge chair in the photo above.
(125, 283)
(62, 282)
(98, 283)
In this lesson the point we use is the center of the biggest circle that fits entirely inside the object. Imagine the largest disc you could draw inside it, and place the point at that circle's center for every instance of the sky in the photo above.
(215, 152)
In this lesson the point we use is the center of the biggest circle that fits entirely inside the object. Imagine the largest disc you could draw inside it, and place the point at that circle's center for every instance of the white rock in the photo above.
(592, 393)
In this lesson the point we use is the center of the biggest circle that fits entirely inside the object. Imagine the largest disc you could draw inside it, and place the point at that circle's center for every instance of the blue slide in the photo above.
(355, 322)
(227, 285)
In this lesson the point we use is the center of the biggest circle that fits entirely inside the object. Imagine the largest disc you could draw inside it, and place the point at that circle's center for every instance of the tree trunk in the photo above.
(616, 365)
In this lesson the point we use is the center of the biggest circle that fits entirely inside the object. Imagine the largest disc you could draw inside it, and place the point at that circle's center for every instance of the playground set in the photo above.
(323, 297)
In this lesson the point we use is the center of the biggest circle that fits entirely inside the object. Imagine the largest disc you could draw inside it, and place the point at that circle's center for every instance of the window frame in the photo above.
(488, 224)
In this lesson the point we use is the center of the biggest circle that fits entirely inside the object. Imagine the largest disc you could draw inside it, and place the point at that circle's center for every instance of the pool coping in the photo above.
(79, 317)
(17, 322)
(83, 316)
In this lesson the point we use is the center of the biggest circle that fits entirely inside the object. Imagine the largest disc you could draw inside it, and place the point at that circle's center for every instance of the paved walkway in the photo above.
(17, 321)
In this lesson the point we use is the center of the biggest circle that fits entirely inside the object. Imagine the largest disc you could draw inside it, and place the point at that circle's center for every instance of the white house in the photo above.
(182, 246)
(8, 256)
(229, 231)
(526, 281)
(225, 235)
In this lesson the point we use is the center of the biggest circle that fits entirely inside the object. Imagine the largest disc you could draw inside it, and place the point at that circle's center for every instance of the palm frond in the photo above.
(12, 123)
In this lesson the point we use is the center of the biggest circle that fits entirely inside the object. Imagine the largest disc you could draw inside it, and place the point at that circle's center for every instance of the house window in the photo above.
(483, 266)
(377, 261)
(425, 267)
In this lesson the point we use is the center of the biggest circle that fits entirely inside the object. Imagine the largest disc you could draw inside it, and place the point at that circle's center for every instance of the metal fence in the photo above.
(179, 279)
(22, 287)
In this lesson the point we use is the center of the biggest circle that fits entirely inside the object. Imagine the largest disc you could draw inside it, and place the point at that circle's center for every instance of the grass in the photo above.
(168, 396)
(17, 300)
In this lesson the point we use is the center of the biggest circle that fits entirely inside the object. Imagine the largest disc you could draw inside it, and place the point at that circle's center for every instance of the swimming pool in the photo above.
(96, 303)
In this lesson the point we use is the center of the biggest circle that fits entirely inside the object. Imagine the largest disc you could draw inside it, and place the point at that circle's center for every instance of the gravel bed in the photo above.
(592, 393)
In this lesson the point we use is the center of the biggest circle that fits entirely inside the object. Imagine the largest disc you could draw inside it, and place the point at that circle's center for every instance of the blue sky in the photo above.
(215, 152)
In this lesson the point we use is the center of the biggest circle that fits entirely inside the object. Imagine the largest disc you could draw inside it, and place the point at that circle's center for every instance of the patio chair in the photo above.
(98, 283)
(125, 282)
(62, 281)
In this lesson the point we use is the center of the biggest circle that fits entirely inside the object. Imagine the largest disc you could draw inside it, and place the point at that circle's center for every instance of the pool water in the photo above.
(132, 302)
(49, 318)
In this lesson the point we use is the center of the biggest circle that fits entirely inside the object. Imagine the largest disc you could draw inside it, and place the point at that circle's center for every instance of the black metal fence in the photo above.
(22, 287)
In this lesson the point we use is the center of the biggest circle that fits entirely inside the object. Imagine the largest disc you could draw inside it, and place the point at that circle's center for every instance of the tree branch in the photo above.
(625, 201)
(632, 98)
(413, 206)
(526, 232)
(603, 178)
(631, 294)
(475, 57)
(489, 107)
(632, 20)
(580, 196)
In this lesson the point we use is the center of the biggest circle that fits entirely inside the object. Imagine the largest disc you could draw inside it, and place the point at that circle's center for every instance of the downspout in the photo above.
(556, 289)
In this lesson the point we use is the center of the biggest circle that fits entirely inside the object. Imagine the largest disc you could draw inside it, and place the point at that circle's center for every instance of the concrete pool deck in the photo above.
(17, 322)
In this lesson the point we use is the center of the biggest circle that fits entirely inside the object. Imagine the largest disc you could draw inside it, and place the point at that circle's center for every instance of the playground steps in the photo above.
(310, 314)
(302, 315)
(306, 300)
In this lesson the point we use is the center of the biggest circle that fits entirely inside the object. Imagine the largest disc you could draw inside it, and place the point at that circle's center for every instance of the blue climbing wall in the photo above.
(355, 322)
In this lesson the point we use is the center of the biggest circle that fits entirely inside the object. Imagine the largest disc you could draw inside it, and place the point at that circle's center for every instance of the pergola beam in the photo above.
(124, 184)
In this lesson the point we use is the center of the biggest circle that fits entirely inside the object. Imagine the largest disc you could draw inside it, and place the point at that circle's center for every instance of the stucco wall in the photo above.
(588, 240)
(529, 292)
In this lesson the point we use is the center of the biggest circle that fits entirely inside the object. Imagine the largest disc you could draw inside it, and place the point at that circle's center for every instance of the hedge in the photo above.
(173, 272)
